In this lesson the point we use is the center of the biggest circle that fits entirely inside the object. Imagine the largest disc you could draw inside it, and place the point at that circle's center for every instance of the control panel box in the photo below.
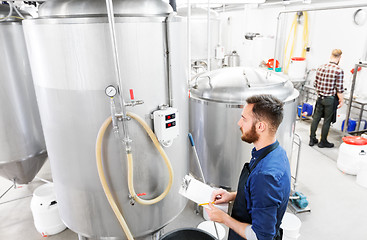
(166, 124)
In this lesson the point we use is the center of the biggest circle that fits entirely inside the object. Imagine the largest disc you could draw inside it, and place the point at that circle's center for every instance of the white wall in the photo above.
(328, 29)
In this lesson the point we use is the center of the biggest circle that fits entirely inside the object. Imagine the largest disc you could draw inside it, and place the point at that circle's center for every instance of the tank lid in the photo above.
(236, 84)
(129, 8)
(197, 12)
(4, 11)
(355, 140)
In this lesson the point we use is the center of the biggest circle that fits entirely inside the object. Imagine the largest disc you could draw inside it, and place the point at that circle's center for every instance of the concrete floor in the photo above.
(338, 204)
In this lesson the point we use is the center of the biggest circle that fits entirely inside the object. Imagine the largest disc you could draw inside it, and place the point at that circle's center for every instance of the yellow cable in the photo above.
(294, 23)
(305, 34)
(13, 17)
(103, 180)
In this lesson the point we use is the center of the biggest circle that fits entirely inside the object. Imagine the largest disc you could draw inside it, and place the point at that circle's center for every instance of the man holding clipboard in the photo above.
(264, 186)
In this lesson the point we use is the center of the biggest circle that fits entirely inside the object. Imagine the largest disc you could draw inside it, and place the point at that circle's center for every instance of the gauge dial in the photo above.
(110, 91)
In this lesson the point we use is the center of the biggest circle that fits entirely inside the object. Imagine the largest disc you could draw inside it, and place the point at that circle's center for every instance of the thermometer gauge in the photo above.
(110, 91)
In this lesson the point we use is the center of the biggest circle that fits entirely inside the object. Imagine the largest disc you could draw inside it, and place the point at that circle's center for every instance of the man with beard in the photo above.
(264, 185)
(329, 88)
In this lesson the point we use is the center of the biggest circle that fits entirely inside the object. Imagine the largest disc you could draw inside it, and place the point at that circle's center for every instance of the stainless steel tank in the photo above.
(22, 145)
(216, 103)
(199, 34)
(72, 64)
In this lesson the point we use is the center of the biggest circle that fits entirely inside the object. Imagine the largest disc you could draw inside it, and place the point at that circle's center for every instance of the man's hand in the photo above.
(340, 103)
(341, 99)
(215, 214)
(222, 196)
(219, 216)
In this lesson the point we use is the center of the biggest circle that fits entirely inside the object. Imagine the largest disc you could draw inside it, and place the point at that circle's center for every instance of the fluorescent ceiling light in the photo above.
(221, 1)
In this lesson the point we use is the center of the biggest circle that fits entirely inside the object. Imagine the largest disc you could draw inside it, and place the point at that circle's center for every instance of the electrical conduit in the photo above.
(132, 192)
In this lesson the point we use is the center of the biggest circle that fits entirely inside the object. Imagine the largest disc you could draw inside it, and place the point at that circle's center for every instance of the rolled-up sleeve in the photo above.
(266, 196)
(339, 82)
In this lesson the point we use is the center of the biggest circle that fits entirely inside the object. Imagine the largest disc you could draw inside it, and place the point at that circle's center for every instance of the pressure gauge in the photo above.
(110, 91)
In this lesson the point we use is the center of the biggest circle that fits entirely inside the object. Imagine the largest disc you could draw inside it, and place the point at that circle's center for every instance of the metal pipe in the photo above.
(208, 36)
(189, 39)
(346, 122)
(309, 10)
(168, 59)
(299, 143)
(111, 21)
(2, 195)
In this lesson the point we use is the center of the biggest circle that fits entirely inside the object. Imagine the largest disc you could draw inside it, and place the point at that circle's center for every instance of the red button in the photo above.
(169, 124)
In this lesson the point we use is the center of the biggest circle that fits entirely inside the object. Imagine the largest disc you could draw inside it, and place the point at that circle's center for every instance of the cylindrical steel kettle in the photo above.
(231, 60)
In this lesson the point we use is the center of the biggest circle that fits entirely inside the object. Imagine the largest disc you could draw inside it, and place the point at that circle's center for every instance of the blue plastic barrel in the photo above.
(306, 107)
(351, 125)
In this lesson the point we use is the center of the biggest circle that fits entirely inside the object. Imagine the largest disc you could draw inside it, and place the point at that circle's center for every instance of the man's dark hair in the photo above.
(267, 108)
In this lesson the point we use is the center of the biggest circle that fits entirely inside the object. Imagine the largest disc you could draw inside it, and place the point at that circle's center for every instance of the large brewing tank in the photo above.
(216, 103)
(72, 64)
(199, 34)
(22, 145)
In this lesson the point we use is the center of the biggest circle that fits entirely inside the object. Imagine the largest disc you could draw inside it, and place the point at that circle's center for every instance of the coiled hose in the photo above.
(103, 180)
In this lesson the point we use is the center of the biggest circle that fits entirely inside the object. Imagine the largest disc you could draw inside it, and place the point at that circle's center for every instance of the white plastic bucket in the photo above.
(350, 156)
(291, 226)
(208, 226)
(362, 174)
(45, 211)
(297, 67)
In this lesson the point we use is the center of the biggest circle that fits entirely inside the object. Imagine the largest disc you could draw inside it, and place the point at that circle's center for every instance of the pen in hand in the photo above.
(201, 204)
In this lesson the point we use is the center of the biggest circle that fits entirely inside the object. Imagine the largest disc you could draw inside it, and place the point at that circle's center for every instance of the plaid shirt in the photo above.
(329, 79)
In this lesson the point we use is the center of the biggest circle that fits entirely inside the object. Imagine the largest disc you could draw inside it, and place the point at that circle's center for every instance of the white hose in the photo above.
(103, 180)
(20, 15)
(9, 14)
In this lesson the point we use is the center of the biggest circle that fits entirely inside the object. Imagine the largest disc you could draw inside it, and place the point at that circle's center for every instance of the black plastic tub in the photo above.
(188, 234)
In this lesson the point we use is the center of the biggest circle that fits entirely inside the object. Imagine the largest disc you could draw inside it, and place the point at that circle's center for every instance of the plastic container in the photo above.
(291, 226)
(362, 173)
(208, 226)
(339, 121)
(306, 110)
(351, 153)
(188, 234)
(351, 125)
(297, 67)
(363, 125)
(45, 211)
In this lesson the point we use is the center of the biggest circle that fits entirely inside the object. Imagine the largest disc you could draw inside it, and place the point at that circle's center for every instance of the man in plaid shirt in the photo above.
(329, 88)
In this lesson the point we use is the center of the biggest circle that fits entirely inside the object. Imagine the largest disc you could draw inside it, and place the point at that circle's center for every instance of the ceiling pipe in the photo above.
(309, 9)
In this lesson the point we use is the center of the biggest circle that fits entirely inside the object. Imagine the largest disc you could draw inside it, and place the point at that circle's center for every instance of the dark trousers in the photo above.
(324, 108)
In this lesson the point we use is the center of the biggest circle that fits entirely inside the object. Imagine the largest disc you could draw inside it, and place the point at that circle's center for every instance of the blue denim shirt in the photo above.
(267, 191)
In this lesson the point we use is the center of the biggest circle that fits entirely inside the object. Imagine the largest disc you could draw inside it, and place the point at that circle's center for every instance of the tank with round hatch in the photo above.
(216, 102)
(72, 64)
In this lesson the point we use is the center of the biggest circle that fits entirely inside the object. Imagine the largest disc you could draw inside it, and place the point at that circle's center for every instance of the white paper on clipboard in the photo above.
(195, 190)
(199, 192)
